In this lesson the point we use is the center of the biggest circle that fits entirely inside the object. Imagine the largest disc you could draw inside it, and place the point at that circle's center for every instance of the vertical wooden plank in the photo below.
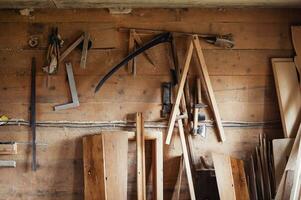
(94, 168)
(281, 151)
(295, 192)
(208, 86)
(223, 173)
(83, 59)
(141, 182)
(186, 160)
(289, 95)
(291, 163)
(296, 37)
(116, 162)
(177, 190)
(157, 149)
(180, 89)
(240, 180)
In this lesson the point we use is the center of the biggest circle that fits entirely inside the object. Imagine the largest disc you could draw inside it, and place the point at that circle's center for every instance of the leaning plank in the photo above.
(281, 151)
(186, 160)
(116, 162)
(177, 190)
(7, 148)
(291, 163)
(239, 178)
(224, 177)
(295, 192)
(289, 95)
(180, 89)
(208, 86)
(141, 182)
(94, 168)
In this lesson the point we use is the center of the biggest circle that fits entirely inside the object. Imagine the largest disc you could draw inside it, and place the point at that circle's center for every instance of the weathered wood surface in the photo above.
(241, 78)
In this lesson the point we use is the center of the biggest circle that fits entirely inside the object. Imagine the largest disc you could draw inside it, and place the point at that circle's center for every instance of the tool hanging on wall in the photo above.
(161, 38)
(33, 113)
(74, 96)
(136, 42)
(224, 41)
(197, 114)
(53, 52)
(166, 98)
(195, 44)
(84, 43)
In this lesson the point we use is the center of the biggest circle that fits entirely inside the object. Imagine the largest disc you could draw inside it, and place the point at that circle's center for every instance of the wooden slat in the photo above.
(8, 148)
(281, 151)
(295, 189)
(83, 59)
(141, 178)
(239, 179)
(291, 163)
(157, 149)
(289, 95)
(208, 86)
(186, 160)
(94, 168)
(180, 90)
(296, 37)
(177, 189)
(116, 164)
(223, 173)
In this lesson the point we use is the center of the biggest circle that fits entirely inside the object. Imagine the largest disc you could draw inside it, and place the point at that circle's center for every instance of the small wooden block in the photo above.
(7, 148)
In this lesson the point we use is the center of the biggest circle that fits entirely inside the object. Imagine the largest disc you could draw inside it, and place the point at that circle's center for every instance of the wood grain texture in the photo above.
(116, 164)
(6, 149)
(289, 96)
(281, 151)
(94, 168)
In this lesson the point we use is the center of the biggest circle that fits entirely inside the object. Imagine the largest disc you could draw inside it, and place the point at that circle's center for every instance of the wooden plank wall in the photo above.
(242, 81)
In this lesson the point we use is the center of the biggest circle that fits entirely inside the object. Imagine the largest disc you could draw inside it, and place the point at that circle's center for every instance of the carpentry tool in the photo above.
(197, 115)
(53, 52)
(8, 163)
(75, 101)
(166, 98)
(225, 41)
(194, 44)
(84, 43)
(161, 38)
(33, 112)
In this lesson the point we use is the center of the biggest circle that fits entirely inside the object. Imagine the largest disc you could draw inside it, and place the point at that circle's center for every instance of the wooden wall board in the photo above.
(289, 96)
(8, 148)
(18, 34)
(281, 151)
(248, 66)
(191, 15)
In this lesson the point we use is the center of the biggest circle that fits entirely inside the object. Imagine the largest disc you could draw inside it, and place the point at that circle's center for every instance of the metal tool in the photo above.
(161, 38)
(75, 101)
(33, 113)
(166, 98)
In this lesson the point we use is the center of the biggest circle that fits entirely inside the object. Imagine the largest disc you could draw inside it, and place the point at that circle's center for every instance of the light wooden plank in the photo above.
(186, 160)
(157, 149)
(141, 182)
(94, 168)
(281, 151)
(8, 148)
(224, 177)
(289, 96)
(180, 90)
(208, 86)
(291, 163)
(116, 164)
(295, 189)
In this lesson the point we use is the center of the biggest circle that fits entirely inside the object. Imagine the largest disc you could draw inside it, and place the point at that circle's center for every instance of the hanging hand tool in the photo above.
(161, 38)
(166, 99)
(224, 41)
(75, 101)
(53, 52)
(33, 112)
